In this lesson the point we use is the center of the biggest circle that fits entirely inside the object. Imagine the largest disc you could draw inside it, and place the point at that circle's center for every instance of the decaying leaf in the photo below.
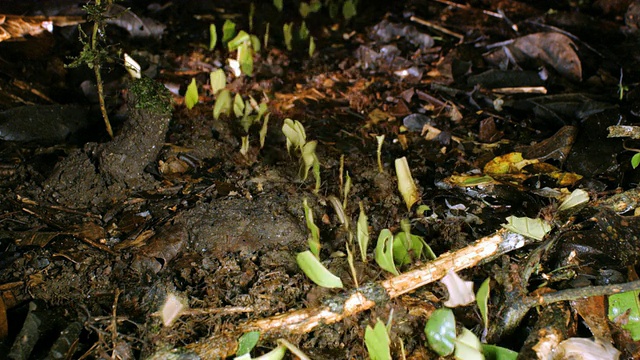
(554, 49)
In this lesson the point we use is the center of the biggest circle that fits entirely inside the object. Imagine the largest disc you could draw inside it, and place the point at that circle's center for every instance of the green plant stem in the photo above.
(96, 70)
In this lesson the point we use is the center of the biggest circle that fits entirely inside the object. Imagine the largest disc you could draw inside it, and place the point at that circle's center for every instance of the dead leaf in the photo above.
(554, 49)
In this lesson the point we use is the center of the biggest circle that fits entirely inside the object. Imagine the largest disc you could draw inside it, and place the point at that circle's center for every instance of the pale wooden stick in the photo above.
(365, 297)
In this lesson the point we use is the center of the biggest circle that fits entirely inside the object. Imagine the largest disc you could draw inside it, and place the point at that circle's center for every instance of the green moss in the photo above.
(151, 95)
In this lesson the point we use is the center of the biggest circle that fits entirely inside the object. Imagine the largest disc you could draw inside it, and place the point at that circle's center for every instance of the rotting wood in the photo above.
(357, 300)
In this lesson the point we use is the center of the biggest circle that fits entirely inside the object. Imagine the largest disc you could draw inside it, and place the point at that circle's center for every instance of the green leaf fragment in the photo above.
(377, 341)
(223, 104)
(213, 36)
(309, 158)
(441, 331)
(626, 304)
(384, 252)
(247, 342)
(241, 38)
(406, 185)
(313, 268)
(314, 237)
(493, 352)
(349, 9)
(245, 58)
(533, 228)
(635, 160)
(255, 43)
(191, 96)
(288, 35)
(228, 31)
(362, 233)
(468, 346)
(304, 9)
(278, 4)
(482, 299)
(407, 249)
(312, 46)
(303, 32)
(218, 81)
(238, 105)
(576, 198)
(275, 354)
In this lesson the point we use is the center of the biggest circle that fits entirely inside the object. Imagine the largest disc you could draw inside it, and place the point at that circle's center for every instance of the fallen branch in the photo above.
(363, 298)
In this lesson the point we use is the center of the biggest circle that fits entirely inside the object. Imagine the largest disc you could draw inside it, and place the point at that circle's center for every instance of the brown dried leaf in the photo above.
(555, 49)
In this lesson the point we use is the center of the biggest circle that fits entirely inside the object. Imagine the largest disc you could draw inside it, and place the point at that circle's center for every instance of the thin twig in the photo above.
(365, 297)
(443, 30)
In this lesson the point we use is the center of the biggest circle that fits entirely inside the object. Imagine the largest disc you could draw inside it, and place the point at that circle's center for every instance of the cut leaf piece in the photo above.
(171, 309)
(313, 268)
(626, 306)
(482, 299)
(468, 346)
(441, 331)
(218, 81)
(493, 352)
(222, 104)
(247, 342)
(533, 228)
(377, 341)
(510, 163)
(191, 96)
(275, 354)
(635, 160)
(406, 185)
(362, 233)
(577, 197)
(581, 348)
(213, 36)
(228, 30)
(460, 291)
(384, 252)
(134, 68)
